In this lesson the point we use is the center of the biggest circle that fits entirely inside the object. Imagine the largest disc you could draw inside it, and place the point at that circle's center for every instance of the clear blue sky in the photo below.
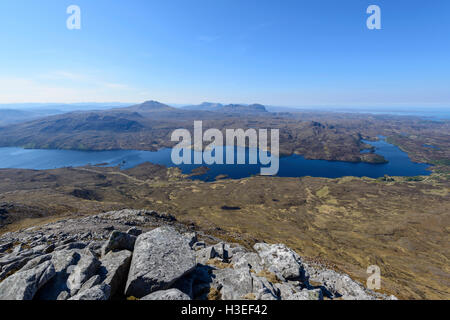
(289, 52)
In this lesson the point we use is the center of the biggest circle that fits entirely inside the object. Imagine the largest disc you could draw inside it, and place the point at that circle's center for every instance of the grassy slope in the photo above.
(351, 223)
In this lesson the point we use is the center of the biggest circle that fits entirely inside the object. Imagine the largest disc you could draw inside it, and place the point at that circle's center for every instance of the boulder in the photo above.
(85, 268)
(92, 282)
(23, 285)
(339, 285)
(223, 251)
(286, 290)
(233, 284)
(203, 255)
(64, 295)
(64, 258)
(63, 261)
(263, 289)
(280, 259)
(96, 247)
(192, 237)
(15, 265)
(36, 261)
(15, 257)
(249, 260)
(72, 246)
(97, 293)
(306, 294)
(160, 257)
(171, 294)
(114, 269)
(119, 241)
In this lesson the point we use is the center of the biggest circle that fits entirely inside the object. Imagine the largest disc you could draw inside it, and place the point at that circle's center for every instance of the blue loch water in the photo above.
(291, 166)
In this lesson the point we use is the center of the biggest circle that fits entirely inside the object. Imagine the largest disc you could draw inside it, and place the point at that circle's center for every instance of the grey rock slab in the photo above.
(203, 255)
(72, 246)
(36, 261)
(286, 290)
(95, 247)
(222, 249)
(15, 257)
(86, 267)
(92, 282)
(171, 294)
(24, 285)
(64, 258)
(64, 295)
(119, 241)
(249, 260)
(114, 269)
(64, 262)
(306, 294)
(279, 258)
(233, 284)
(14, 266)
(340, 285)
(192, 237)
(160, 257)
(97, 293)
(263, 289)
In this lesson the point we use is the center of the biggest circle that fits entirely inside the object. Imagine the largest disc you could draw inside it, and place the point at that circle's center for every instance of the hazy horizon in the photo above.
(336, 108)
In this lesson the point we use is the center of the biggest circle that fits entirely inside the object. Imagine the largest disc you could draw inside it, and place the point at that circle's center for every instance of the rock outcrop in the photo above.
(160, 258)
(145, 255)
(171, 294)
(23, 285)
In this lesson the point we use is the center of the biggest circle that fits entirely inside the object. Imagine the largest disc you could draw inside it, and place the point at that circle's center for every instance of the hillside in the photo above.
(12, 116)
(346, 224)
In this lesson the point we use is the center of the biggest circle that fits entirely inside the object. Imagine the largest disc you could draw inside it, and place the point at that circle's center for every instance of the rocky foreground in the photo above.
(132, 254)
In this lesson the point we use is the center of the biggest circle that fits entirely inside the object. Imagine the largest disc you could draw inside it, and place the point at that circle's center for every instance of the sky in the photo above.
(283, 53)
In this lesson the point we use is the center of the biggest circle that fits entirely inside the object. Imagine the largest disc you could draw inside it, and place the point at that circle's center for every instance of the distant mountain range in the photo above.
(205, 106)
(13, 113)
(63, 107)
(230, 108)
(25, 112)
(11, 116)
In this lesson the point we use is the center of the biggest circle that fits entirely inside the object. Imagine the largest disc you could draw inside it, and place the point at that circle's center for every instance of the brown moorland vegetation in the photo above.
(400, 224)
